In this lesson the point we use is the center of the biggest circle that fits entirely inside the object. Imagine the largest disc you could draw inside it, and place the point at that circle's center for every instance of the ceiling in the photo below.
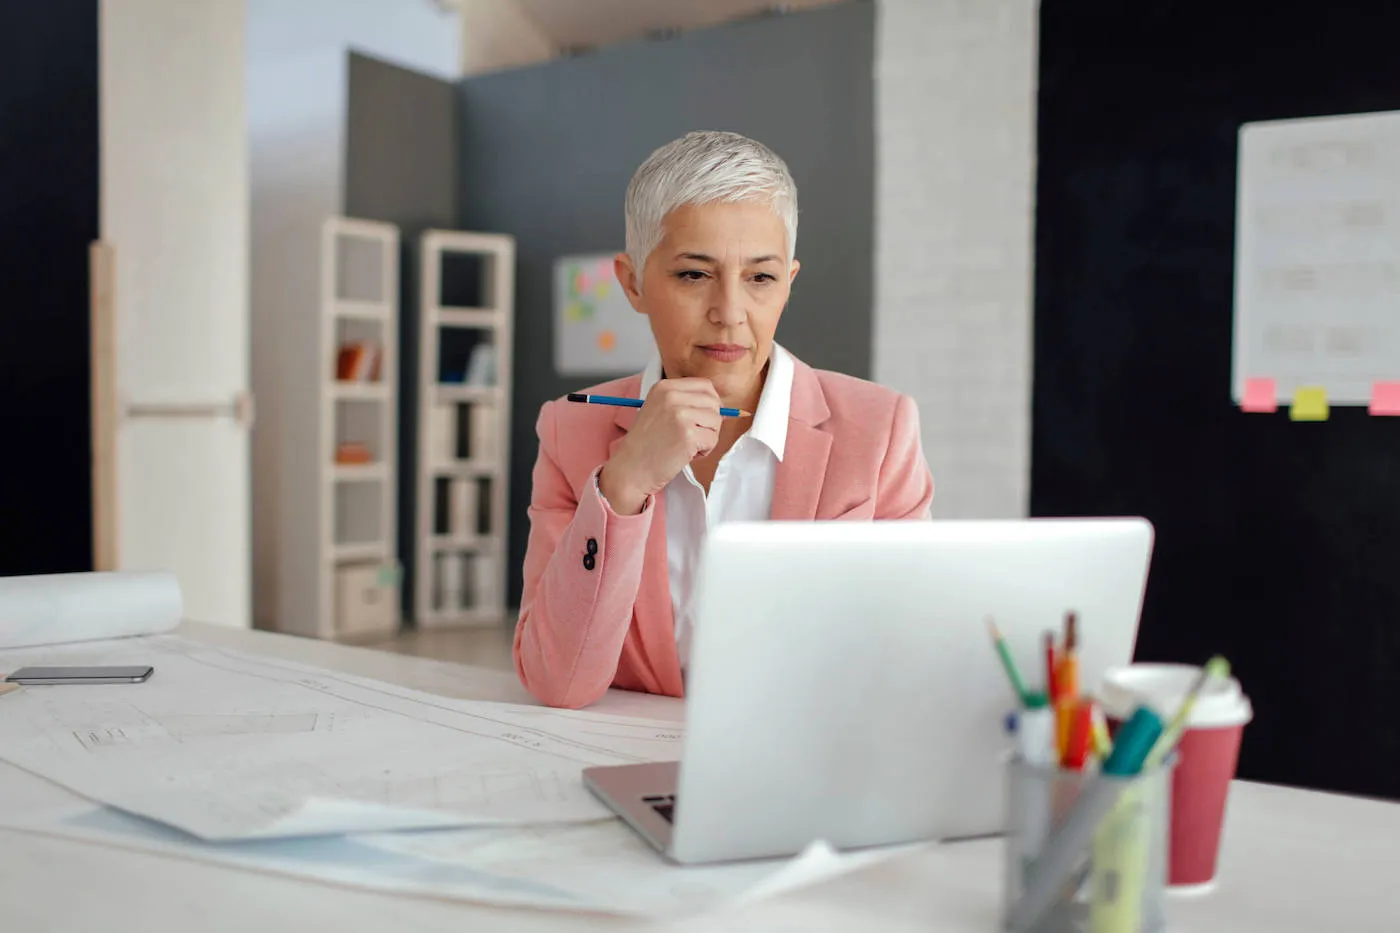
(574, 23)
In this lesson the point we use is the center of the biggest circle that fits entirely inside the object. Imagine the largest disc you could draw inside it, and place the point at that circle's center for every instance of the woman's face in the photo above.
(713, 290)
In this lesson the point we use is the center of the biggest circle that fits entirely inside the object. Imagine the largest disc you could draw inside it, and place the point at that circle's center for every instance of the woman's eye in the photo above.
(690, 275)
(765, 277)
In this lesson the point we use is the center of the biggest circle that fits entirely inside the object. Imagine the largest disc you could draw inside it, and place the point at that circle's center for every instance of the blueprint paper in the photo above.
(606, 866)
(600, 866)
(48, 609)
(229, 746)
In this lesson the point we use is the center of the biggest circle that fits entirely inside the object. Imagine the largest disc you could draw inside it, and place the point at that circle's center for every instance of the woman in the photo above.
(622, 497)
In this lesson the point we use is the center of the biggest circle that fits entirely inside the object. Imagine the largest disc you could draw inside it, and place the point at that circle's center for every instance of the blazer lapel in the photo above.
(797, 484)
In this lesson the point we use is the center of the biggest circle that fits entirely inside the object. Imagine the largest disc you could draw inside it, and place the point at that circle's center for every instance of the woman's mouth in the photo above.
(724, 352)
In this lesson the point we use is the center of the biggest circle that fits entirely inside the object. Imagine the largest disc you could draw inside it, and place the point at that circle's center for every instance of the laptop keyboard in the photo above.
(664, 805)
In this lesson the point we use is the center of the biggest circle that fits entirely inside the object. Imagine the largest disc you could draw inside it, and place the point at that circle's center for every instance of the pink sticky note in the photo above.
(1260, 396)
(1385, 398)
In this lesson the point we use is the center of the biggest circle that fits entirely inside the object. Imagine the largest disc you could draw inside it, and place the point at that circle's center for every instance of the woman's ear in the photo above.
(630, 279)
(792, 270)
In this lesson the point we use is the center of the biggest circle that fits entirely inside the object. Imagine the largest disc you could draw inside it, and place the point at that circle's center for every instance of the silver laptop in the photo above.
(843, 685)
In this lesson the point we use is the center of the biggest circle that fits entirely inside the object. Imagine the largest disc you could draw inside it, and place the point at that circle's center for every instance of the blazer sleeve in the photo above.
(905, 484)
(583, 569)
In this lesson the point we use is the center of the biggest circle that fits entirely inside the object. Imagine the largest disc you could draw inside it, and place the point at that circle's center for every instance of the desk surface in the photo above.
(1293, 860)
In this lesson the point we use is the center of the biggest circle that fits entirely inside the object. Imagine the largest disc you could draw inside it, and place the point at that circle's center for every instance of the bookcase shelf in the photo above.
(463, 428)
(336, 571)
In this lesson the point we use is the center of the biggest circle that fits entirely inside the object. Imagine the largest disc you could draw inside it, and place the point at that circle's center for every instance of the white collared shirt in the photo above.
(742, 488)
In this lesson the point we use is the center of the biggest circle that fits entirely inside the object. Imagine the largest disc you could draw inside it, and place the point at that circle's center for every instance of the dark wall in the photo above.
(48, 218)
(1277, 542)
(547, 153)
(401, 167)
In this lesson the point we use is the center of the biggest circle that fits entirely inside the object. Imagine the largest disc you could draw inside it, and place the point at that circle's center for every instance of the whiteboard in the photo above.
(596, 330)
(1317, 255)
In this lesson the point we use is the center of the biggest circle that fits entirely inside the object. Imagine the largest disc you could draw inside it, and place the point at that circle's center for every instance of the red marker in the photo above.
(1052, 689)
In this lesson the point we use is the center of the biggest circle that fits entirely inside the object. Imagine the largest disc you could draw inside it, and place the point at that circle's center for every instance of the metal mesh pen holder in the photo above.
(1084, 851)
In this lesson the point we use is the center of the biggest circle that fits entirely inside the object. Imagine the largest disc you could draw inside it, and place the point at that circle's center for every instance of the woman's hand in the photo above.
(678, 422)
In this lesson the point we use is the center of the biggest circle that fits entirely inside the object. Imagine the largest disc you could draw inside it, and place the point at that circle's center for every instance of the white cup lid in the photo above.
(1163, 687)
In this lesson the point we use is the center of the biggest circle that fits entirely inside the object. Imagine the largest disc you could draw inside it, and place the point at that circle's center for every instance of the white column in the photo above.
(955, 103)
(174, 211)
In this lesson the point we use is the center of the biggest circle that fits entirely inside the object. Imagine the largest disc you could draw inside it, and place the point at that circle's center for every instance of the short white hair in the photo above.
(701, 168)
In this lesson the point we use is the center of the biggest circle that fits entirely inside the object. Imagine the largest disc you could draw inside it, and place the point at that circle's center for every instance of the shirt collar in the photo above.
(770, 420)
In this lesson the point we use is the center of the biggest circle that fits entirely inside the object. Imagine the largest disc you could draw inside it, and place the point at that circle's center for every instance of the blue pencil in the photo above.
(637, 403)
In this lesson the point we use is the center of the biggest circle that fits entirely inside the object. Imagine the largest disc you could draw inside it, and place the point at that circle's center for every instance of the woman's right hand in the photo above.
(678, 422)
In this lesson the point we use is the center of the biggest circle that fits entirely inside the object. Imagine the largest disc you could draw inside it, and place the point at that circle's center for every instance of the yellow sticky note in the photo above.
(6, 687)
(1309, 404)
(601, 290)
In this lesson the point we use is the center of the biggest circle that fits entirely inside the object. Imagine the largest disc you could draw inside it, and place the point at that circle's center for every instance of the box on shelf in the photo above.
(484, 581)
(462, 520)
(481, 365)
(447, 575)
(366, 600)
(442, 434)
(353, 452)
(483, 431)
(359, 361)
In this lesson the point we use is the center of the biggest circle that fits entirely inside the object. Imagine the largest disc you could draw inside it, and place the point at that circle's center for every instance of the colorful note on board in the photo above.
(1309, 404)
(1260, 396)
(1385, 398)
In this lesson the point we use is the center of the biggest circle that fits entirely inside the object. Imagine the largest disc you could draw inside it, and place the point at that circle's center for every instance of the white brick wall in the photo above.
(955, 84)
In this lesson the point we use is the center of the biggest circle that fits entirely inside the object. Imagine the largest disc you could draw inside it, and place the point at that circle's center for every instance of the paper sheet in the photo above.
(605, 866)
(228, 746)
(1317, 260)
(50, 609)
(599, 866)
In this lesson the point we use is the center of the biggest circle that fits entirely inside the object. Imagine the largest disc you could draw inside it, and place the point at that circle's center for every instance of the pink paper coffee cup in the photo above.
(1206, 757)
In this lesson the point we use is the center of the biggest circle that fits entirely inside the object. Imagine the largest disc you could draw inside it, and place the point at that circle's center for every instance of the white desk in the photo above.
(1293, 861)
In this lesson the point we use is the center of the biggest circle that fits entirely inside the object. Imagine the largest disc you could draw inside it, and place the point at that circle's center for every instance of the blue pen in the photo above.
(637, 403)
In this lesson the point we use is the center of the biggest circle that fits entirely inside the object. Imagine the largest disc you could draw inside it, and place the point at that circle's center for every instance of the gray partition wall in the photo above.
(401, 166)
(546, 153)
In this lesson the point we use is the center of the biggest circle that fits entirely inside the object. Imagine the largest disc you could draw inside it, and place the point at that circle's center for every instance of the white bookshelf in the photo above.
(337, 570)
(464, 365)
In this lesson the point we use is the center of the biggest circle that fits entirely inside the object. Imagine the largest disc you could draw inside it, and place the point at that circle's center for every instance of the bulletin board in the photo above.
(597, 332)
(1277, 540)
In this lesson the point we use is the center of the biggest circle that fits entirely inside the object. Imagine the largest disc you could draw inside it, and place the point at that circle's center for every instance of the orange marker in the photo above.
(1066, 683)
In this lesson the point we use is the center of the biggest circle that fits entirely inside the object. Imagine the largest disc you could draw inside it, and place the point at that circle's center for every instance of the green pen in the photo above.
(1012, 674)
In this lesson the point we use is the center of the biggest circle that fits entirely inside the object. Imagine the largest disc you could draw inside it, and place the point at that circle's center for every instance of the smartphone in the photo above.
(81, 675)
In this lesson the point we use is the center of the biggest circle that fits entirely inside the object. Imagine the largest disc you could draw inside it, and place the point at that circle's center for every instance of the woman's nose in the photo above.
(728, 303)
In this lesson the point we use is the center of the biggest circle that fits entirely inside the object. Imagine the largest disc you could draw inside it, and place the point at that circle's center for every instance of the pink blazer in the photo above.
(596, 608)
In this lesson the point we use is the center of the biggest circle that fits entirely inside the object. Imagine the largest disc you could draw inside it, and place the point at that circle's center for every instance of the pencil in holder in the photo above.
(1085, 852)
